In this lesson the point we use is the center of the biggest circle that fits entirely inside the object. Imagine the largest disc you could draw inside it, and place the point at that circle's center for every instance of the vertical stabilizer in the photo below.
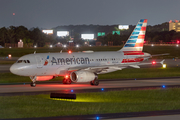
(136, 39)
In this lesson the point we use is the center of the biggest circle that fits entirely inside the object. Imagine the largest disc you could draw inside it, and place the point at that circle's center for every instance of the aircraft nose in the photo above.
(14, 69)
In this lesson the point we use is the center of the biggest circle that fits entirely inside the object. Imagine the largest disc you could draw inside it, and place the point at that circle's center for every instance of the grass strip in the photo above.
(123, 74)
(90, 103)
(7, 62)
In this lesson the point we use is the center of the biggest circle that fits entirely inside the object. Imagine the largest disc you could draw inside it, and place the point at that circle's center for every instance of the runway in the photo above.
(106, 84)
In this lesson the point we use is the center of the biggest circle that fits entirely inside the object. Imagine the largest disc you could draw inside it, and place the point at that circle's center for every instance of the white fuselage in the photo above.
(60, 64)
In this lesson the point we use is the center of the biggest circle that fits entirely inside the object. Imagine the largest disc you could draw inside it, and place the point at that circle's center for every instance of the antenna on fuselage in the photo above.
(61, 51)
(34, 52)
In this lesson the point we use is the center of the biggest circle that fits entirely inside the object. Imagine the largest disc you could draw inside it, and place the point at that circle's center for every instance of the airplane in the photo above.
(84, 66)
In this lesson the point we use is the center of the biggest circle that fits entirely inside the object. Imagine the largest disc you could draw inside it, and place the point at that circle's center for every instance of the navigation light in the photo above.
(153, 62)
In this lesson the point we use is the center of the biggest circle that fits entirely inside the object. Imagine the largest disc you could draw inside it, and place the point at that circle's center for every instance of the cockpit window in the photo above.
(19, 61)
(23, 61)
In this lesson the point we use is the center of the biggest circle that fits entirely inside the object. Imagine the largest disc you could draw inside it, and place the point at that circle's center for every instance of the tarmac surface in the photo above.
(86, 87)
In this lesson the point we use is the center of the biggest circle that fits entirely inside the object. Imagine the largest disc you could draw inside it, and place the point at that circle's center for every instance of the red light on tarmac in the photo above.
(153, 62)
(69, 51)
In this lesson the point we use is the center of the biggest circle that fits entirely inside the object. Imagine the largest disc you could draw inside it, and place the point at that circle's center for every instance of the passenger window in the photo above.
(28, 61)
(25, 61)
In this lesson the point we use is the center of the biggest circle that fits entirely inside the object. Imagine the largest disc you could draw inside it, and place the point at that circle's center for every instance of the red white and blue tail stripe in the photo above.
(136, 39)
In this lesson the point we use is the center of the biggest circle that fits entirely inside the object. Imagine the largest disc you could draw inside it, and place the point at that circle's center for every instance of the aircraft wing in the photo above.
(99, 69)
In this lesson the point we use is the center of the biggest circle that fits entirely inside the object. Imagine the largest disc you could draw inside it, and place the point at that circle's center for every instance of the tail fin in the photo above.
(136, 39)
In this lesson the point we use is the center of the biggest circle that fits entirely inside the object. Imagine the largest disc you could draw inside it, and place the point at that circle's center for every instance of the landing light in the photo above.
(177, 45)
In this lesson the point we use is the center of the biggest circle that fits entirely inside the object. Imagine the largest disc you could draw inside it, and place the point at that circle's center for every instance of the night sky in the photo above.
(52, 13)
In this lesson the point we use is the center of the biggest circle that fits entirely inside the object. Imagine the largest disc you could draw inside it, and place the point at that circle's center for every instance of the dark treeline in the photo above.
(13, 34)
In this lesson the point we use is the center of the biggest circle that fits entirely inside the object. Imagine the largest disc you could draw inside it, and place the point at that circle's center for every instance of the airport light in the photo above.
(97, 118)
(77, 46)
(69, 51)
(72, 91)
(164, 65)
(9, 56)
(163, 86)
(64, 46)
(35, 46)
(51, 46)
(102, 89)
(10, 47)
(152, 45)
(177, 45)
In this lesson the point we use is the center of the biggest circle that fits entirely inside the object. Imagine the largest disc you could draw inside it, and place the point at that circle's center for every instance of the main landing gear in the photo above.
(33, 83)
(94, 82)
(67, 80)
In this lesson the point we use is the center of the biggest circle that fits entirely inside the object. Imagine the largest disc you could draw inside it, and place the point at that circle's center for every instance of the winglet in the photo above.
(162, 62)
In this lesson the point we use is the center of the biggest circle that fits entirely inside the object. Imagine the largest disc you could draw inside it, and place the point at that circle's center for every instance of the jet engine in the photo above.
(83, 76)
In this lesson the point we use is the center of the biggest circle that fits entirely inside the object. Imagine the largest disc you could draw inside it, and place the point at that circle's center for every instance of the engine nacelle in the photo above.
(44, 78)
(83, 76)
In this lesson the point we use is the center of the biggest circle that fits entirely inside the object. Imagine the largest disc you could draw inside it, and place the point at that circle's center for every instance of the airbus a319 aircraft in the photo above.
(83, 66)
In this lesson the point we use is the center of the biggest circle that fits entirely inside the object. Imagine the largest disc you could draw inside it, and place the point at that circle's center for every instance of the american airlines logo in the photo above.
(70, 61)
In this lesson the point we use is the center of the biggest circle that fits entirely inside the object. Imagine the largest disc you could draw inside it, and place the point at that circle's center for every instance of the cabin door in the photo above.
(39, 61)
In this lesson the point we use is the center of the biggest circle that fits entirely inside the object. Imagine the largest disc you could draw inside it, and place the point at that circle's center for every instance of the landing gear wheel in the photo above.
(66, 81)
(95, 82)
(91, 83)
(33, 84)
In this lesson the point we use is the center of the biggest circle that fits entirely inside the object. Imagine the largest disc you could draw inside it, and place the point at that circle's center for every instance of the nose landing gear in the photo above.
(33, 83)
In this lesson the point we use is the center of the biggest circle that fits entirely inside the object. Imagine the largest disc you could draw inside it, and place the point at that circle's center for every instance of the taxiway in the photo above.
(106, 84)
